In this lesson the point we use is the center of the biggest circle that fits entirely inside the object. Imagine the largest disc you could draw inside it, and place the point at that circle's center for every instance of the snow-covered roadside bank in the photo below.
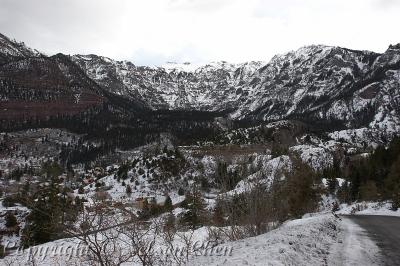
(354, 247)
(368, 208)
(318, 240)
(322, 239)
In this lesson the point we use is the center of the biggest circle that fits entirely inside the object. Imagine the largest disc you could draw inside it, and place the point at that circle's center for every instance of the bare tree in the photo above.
(114, 235)
(179, 245)
(98, 230)
(245, 214)
(140, 238)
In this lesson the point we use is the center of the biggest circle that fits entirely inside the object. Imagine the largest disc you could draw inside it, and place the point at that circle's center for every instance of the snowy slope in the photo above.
(327, 85)
(313, 83)
(319, 240)
(368, 208)
(213, 86)
(12, 48)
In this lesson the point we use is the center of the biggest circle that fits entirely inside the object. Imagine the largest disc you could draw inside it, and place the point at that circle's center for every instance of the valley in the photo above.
(129, 160)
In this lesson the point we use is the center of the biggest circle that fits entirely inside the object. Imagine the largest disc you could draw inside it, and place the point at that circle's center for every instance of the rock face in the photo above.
(332, 86)
(213, 87)
(33, 85)
(316, 83)
(10, 48)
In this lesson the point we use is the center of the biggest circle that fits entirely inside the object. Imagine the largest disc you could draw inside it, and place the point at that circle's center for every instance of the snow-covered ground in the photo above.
(354, 247)
(318, 240)
(368, 208)
(269, 170)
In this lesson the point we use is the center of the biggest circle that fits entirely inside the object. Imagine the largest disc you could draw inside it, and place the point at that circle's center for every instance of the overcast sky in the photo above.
(151, 32)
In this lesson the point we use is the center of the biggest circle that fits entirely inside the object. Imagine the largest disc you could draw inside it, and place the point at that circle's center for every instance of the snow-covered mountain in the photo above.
(330, 86)
(10, 47)
(322, 83)
(134, 136)
(212, 87)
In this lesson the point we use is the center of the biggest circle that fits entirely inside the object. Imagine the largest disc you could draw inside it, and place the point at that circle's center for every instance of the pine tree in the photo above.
(46, 220)
(169, 222)
(168, 204)
(11, 220)
(392, 184)
(128, 190)
(369, 191)
(302, 195)
(196, 214)
(343, 193)
(332, 184)
(218, 214)
(181, 192)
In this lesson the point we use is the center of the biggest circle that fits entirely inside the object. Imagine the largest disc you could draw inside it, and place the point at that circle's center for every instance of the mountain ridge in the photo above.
(316, 84)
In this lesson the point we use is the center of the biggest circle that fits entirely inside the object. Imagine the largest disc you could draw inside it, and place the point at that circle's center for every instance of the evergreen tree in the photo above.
(128, 190)
(343, 193)
(196, 214)
(218, 214)
(52, 169)
(49, 212)
(11, 220)
(392, 184)
(181, 192)
(302, 194)
(145, 212)
(369, 191)
(169, 222)
(168, 204)
(332, 185)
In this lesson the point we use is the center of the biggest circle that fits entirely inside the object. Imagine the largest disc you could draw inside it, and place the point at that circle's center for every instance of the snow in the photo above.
(71, 251)
(269, 170)
(317, 157)
(252, 86)
(184, 67)
(14, 48)
(340, 182)
(354, 247)
(368, 208)
(12, 239)
(61, 252)
(360, 137)
(318, 240)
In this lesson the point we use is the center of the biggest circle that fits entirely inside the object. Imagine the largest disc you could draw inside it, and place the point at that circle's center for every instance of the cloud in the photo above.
(152, 32)
(387, 3)
(149, 58)
(202, 6)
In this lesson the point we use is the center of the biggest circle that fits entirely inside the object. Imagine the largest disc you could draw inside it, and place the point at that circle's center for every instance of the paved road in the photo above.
(385, 231)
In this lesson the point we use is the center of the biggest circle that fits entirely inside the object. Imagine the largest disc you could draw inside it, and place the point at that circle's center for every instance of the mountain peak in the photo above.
(180, 67)
(394, 47)
(10, 47)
